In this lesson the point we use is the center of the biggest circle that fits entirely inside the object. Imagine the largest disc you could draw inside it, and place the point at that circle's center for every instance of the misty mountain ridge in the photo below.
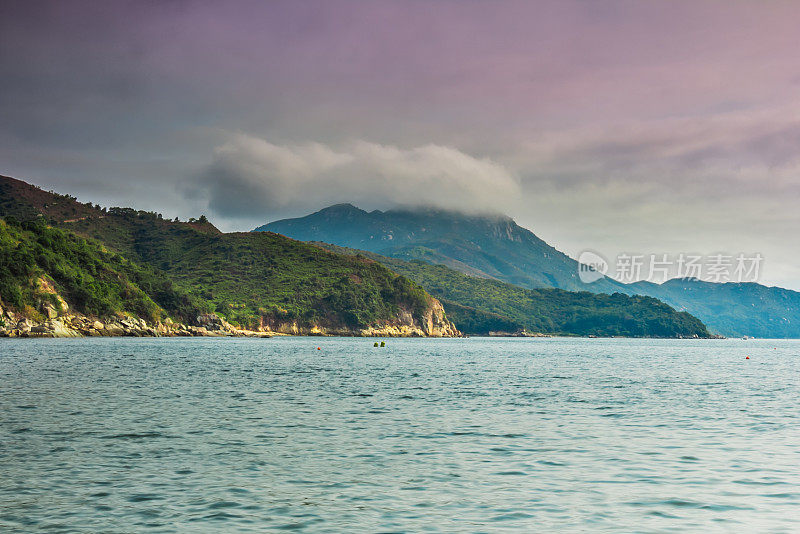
(114, 261)
(495, 247)
(486, 246)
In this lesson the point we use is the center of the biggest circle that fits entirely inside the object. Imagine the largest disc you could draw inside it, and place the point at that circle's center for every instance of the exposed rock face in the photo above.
(214, 323)
(76, 325)
(433, 323)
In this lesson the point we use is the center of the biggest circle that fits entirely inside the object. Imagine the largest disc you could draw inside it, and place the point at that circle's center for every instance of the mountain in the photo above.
(481, 306)
(495, 247)
(254, 281)
(484, 246)
(734, 309)
(136, 270)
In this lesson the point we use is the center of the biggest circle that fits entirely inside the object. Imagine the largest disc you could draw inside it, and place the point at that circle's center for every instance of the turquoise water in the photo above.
(476, 435)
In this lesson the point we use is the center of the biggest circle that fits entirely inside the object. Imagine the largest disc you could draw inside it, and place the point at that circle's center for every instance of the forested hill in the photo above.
(256, 281)
(479, 305)
(265, 281)
(488, 246)
(494, 246)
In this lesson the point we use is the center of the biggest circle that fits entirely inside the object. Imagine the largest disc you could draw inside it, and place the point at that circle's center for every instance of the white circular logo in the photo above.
(591, 266)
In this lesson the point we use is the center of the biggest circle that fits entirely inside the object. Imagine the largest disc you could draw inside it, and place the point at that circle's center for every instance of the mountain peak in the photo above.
(448, 213)
(342, 208)
(488, 245)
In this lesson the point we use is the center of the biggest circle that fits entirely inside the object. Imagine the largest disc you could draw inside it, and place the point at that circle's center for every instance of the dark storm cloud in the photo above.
(603, 124)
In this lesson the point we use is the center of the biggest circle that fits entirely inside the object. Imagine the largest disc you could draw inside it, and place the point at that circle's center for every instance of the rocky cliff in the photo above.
(52, 323)
(66, 265)
(50, 315)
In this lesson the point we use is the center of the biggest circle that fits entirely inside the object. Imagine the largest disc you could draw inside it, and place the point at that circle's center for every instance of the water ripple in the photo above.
(478, 435)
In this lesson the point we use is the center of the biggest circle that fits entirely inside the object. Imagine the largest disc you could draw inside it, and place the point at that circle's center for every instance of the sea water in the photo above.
(335, 435)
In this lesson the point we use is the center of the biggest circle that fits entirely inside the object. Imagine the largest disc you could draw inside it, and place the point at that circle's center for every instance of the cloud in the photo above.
(250, 176)
(646, 126)
(730, 183)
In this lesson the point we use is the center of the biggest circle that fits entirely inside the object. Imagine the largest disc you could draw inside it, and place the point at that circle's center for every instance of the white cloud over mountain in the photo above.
(250, 176)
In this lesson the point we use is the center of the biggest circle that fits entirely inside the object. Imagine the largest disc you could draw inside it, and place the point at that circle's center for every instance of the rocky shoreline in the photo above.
(76, 325)
(54, 324)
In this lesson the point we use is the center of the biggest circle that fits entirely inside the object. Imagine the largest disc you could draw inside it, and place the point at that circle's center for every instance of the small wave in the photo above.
(656, 513)
(217, 516)
(683, 503)
(144, 497)
(758, 482)
(133, 435)
(296, 526)
(513, 516)
(224, 504)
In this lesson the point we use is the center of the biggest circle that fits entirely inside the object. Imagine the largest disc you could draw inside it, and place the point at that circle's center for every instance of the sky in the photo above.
(616, 126)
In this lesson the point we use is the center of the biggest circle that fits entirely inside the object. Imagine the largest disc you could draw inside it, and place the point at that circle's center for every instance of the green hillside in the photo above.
(253, 280)
(38, 262)
(489, 246)
(478, 305)
(493, 246)
(733, 309)
(264, 280)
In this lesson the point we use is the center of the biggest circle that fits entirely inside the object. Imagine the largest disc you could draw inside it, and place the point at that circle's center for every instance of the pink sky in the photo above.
(620, 126)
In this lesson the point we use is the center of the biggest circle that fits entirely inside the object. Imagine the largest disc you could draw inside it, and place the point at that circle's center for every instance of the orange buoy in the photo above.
(319, 348)
(747, 357)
